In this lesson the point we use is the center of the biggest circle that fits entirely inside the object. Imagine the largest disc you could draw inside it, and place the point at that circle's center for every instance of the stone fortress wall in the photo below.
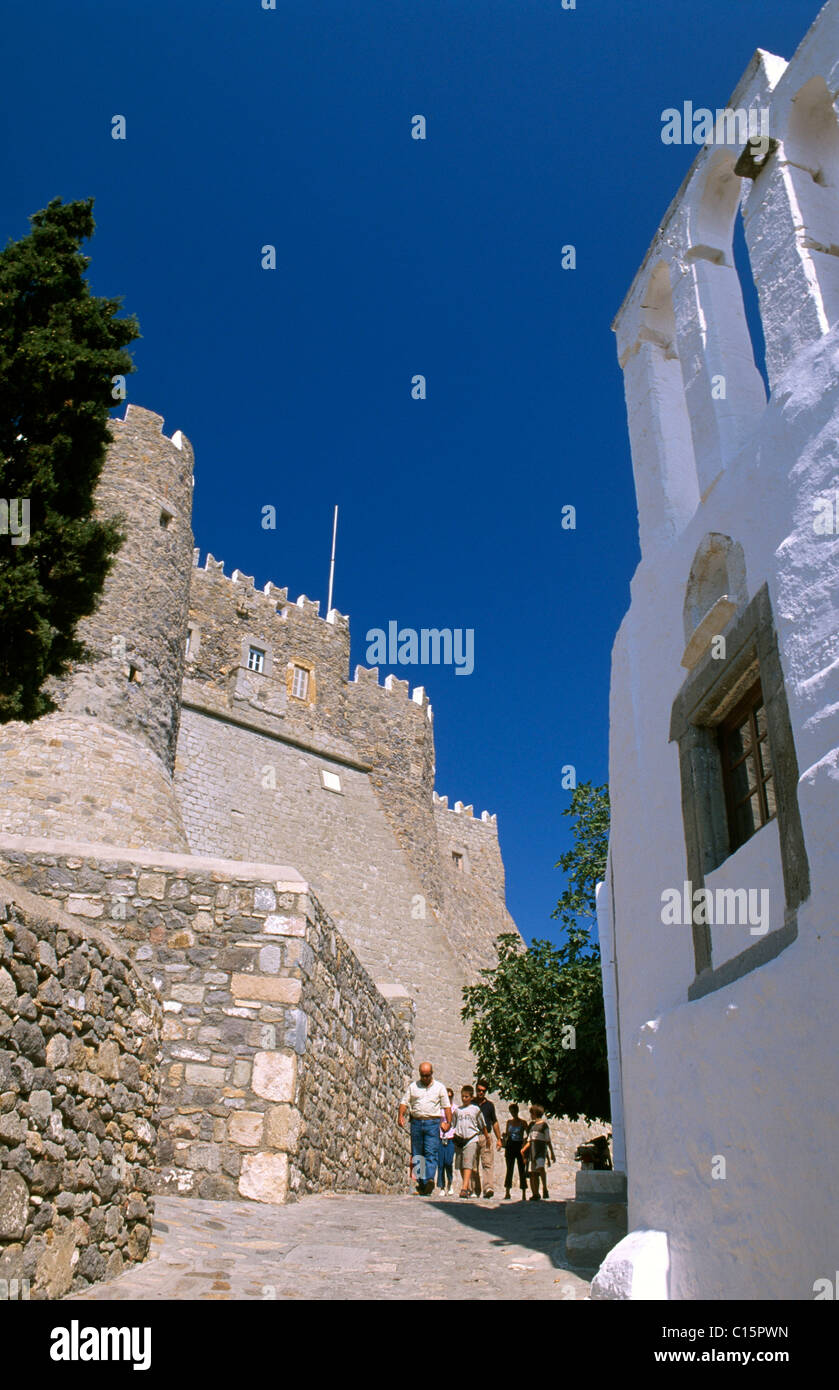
(279, 1054)
(372, 837)
(79, 1084)
(296, 1001)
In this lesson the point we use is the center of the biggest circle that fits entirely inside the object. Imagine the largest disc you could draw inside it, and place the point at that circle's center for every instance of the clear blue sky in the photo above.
(395, 257)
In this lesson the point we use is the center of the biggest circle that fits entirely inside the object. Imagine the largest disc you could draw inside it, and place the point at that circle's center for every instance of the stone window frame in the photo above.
(708, 695)
(327, 772)
(311, 692)
(267, 664)
(192, 645)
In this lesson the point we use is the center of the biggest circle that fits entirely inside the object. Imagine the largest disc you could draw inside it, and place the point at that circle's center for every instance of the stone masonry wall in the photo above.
(352, 1074)
(344, 846)
(79, 1079)
(257, 987)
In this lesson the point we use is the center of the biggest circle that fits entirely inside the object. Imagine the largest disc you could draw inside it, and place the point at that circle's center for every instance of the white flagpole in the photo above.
(332, 562)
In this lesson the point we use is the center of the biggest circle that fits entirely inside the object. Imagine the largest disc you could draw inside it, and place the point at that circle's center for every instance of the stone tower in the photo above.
(100, 767)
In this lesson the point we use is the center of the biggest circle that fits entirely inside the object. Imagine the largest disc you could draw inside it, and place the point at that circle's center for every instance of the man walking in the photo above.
(427, 1103)
(484, 1172)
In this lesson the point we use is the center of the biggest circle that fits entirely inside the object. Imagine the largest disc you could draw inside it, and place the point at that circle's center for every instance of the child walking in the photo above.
(540, 1149)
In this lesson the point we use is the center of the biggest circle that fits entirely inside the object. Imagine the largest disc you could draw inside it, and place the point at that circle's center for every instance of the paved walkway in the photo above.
(352, 1247)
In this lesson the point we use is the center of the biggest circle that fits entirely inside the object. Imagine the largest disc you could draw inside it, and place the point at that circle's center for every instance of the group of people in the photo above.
(448, 1139)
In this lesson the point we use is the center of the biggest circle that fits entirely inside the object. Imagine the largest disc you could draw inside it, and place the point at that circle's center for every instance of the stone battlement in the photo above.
(272, 595)
(442, 802)
(369, 676)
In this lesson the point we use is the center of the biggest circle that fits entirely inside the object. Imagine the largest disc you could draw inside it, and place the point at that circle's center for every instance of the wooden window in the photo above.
(300, 683)
(256, 659)
(747, 769)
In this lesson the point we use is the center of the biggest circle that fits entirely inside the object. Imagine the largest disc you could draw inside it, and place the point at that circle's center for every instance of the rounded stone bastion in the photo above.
(100, 766)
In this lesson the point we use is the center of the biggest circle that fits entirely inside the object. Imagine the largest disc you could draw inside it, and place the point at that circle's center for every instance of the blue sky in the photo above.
(292, 127)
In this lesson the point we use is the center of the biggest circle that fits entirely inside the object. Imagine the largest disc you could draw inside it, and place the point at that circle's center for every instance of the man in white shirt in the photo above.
(427, 1103)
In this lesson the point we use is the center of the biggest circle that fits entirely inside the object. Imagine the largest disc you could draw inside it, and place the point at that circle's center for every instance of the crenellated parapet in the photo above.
(468, 812)
(368, 676)
(694, 394)
(273, 599)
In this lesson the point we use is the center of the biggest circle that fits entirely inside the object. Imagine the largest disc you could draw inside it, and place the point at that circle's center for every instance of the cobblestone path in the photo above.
(352, 1247)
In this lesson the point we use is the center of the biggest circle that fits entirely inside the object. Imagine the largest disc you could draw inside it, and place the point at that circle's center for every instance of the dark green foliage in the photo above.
(524, 1009)
(60, 347)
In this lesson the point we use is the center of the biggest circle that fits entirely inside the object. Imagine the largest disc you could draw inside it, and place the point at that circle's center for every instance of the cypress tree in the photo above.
(60, 348)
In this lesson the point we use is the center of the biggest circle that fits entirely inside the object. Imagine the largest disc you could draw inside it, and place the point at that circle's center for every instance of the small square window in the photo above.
(165, 519)
(256, 659)
(330, 780)
(300, 683)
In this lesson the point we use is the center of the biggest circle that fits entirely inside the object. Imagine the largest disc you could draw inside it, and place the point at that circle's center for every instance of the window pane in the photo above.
(743, 780)
(765, 760)
(746, 819)
(760, 719)
(739, 741)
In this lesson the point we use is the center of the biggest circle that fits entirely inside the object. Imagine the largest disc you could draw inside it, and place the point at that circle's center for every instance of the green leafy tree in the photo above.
(60, 348)
(538, 1027)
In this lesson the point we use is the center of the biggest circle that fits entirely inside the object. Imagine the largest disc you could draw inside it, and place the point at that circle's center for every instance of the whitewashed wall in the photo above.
(749, 1071)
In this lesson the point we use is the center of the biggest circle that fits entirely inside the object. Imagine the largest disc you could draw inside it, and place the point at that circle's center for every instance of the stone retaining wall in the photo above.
(79, 1079)
(282, 1062)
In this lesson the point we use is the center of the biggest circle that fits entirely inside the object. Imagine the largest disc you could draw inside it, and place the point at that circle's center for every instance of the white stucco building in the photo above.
(724, 764)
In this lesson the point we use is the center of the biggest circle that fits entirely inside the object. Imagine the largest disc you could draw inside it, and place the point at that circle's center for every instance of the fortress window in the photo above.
(256, 659)
(457, 860)
(747, 769)
(330, 781)
(165, 518)
(300, 683)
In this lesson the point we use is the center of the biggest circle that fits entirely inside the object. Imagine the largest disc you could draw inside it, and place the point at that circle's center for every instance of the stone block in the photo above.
(14, 1206)
(584, 1217)
(270, 959)
(279, 989)
(188, 994)
(241, 1072)
(275, 1075)
(207, 1157)
(283, 1127)
(151, 886)
(107, 1060)
(54, 1269)
(198, 1075)
(8, 990)
(264, 1177)
(80, 906)
(284, 926)
(264, 899)
(591, 1183)
(245, 1128)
